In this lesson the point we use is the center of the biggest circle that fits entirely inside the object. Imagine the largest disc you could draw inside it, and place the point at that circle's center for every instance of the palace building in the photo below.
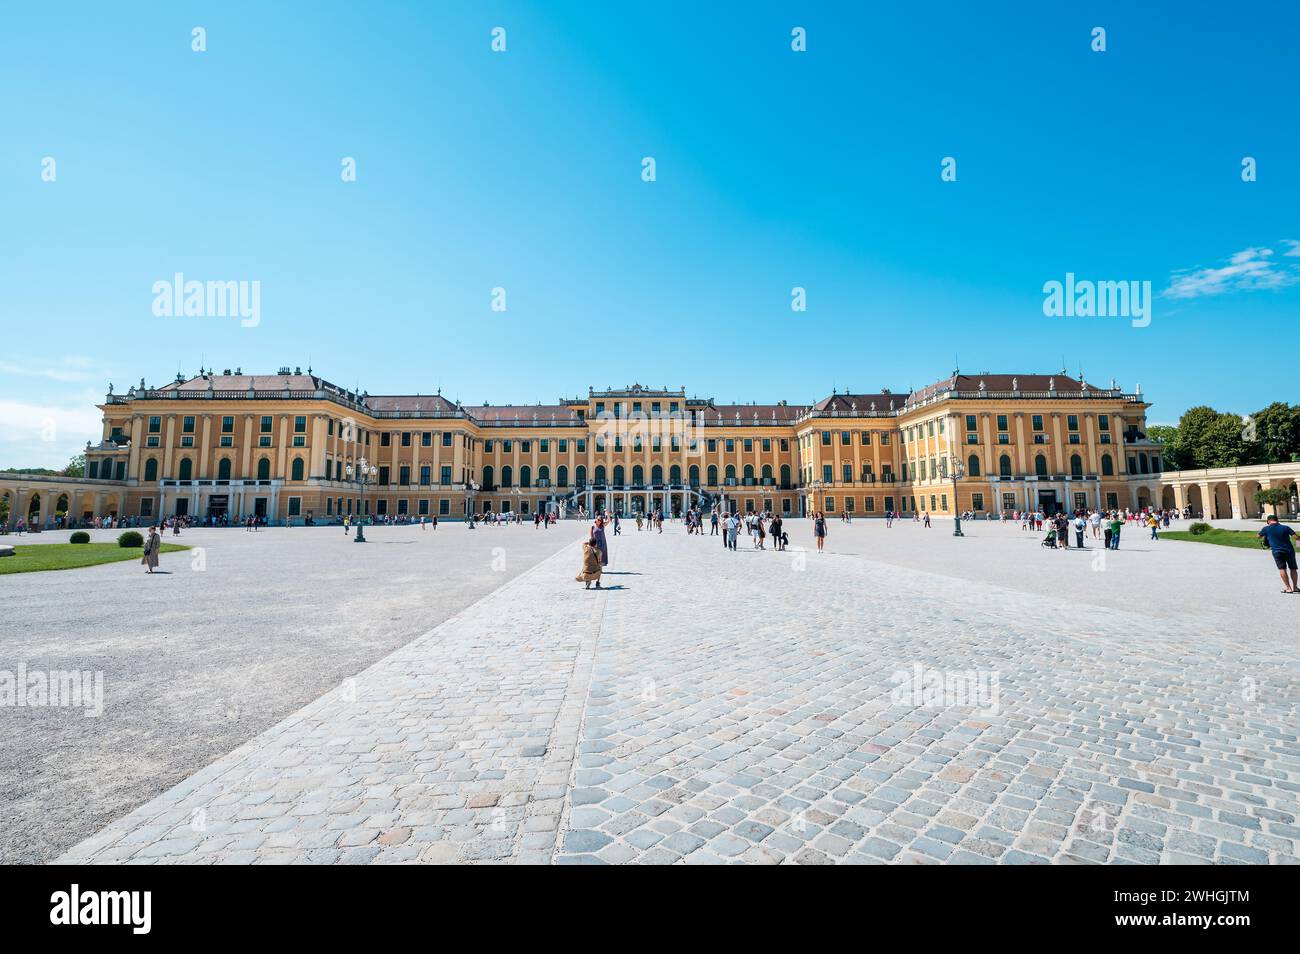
(290, 446)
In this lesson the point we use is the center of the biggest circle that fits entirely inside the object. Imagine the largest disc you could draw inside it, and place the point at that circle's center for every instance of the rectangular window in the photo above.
(1009, 502)
(785, 443)
(295, 506)
(226, 441)
(299, 441)
(406, 438)
(426, 439)
(1072, 422)
(869, 504)
(848, 473)
(1002, 422)
(155, 424)
(383, 476)
(187, 441)
(187, 424)
(970, 422)
(404, 476)
(977, 501)
(749, 444)
(385, 439)
(424, 507)
(444, 506)
(426, 475)
(402, 507)
(826, 438)
(444, 476)
(264, 441)
(972, 438)
(146, 506)
(866, 438)
(830, 504)
(446, 439)
(1004, 438)
(546, 446)
(828, 475)
(845, 438)
(300, 424)
(767, 444)
(1103, 422)
(884, 440)
(1037, 422)
(564, 446)
(266, 423)
(507, 447)
(525, 447)
(582, 445)
(849, 504)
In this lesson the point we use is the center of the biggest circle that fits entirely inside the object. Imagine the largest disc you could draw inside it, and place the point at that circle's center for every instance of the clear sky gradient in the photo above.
(522, 170)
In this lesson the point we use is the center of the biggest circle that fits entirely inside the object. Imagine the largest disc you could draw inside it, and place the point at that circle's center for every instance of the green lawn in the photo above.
(1224, 538)
(67, 556)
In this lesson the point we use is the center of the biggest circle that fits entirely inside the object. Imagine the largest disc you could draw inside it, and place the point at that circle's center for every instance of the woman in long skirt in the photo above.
(152, 544)
(598, 538)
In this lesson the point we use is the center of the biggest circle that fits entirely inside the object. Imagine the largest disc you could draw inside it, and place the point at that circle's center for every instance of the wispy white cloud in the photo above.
(70, 370)
(1251, 269)
(46, 435)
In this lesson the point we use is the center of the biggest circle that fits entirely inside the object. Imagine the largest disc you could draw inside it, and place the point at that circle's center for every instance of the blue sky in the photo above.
(522, 170)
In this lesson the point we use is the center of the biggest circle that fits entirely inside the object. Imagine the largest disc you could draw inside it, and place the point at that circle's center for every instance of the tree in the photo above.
(1173, 453)
(1272, 496)
(76, 467)
(1275, 432)
(1208, 438)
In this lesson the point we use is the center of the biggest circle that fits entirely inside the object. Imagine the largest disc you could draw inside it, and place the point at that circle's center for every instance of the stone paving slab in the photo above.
(746, 707)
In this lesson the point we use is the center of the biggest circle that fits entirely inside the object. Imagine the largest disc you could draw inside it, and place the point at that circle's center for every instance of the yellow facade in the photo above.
(281, 446)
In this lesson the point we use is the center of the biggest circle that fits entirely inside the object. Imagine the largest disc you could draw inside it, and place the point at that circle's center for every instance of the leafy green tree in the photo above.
(1272, 496)
(1173, 453)
(1275, 431)
(1208, 438)
(76, 467)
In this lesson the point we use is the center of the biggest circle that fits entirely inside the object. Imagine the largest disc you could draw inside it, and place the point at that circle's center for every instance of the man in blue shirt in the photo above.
(1278, 536)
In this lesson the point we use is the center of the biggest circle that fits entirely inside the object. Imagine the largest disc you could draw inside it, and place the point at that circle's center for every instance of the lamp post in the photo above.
(958, 472)
(364, 471)
(471, 489)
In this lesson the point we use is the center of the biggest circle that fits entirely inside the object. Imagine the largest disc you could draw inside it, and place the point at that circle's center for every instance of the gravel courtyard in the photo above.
(197, 662)
(711, 706)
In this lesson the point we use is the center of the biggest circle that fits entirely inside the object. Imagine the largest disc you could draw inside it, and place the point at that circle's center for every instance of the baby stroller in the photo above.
(1049, 541)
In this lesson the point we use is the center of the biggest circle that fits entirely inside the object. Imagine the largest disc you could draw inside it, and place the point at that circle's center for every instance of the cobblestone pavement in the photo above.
(758, 707)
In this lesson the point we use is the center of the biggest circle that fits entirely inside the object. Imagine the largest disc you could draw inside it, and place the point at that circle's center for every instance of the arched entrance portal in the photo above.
(1194, 501)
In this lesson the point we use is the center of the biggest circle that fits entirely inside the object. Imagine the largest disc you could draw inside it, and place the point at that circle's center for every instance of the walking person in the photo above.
(152, 544)
(1079, 526)
(1116, 525)
(819, 531)
(1280, 541)
(598, 538)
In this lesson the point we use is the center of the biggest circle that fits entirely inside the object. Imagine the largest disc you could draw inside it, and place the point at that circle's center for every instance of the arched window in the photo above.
(749, 471)
(767, 471)
(656, 474)
(731, 472)
(264, 469)
(713, 475)
(1004, 466)
(1107, 466)
(620, 475)
(675, 474)
(785, 475)
(488, 474)
(1076, 465)
(151, 469)
(694, 475)
(296, 472)
(1040, 465)
(507, 476)
(580, 476)
(973, 466)
(525, 476)
(186, 471)
(638, 475)
(223, 469)
(562, 476)
(543, 475)
(600, 475)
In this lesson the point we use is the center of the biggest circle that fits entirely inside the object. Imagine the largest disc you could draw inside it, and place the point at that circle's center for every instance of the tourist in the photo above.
(1154, 524)
(819, 530)
(153, 543)
(591, 563)
(1079, 526)
(1095, 520)
(598, 538)
(1116, 525)
(775, 529)
(1279, 537)
(732, 529)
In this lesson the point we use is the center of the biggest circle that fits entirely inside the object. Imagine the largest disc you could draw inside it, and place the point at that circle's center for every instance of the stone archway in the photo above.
(1194, 501)
(1168, 499)
(1221, 494)
(1143, 498)
(1246, 493)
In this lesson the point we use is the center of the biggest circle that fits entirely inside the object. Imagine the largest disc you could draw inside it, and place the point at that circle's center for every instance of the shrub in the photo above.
(131, 538)
(1199, 528)
(81, 536)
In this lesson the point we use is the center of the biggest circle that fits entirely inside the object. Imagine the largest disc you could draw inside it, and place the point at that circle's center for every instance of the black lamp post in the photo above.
(364, 472)
(958, 472)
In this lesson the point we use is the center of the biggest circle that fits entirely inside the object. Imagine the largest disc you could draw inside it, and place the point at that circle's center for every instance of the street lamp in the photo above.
(471, 490)
(958, 472)
(364, 472)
